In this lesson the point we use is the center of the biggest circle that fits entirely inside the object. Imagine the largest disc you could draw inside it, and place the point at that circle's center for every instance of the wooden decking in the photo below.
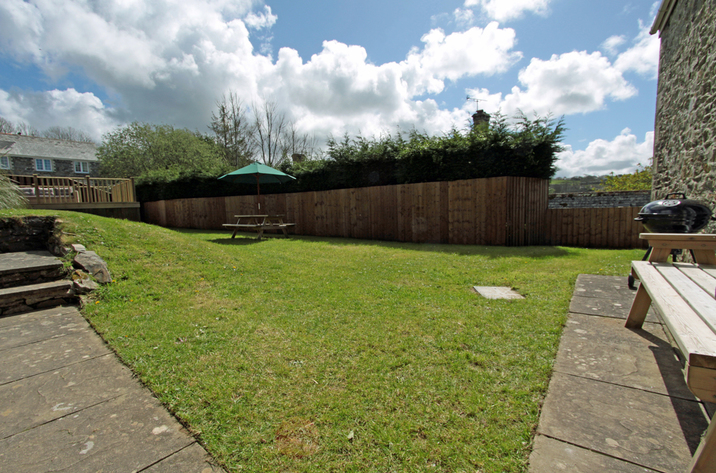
(77, 193)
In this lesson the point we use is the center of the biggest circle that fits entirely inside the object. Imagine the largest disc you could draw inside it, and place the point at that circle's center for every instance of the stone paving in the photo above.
(617, 401)
(67, 404)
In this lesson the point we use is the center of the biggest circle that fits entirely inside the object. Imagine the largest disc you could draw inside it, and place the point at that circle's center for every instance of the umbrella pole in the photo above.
(258, 190)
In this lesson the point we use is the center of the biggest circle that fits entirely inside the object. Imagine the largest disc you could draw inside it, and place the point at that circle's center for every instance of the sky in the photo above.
(334, 67)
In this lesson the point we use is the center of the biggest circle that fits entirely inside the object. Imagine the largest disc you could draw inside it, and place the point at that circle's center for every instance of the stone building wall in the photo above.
(60, 167)
(685, 128)
(599, 200)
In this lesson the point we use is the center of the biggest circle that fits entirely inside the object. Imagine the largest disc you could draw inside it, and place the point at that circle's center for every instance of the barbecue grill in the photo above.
(674, 214)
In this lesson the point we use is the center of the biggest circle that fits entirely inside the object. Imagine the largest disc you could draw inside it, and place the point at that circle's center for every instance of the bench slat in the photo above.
(699, 300)
(710, 269)
(695, 339)
(699, 276)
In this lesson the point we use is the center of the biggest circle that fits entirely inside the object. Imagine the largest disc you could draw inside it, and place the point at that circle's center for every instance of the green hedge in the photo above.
(526, 149)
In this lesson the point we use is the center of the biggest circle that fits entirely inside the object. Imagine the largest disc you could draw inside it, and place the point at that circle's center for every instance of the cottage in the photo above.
(685, 128)
(28, 155)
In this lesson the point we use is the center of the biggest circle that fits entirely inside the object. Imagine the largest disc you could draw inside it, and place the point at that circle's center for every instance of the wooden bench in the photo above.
(685, 295)
(260, 223)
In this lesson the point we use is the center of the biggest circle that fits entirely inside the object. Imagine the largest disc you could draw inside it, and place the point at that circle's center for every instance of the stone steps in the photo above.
(16, 300)
(29, 267)
(31, 280)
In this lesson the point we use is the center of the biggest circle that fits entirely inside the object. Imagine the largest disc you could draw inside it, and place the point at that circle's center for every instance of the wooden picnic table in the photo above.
(702, 245)
(685, 295)
(260, 223)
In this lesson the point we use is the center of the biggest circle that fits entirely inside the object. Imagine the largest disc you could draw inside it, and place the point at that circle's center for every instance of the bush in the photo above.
(527, 149)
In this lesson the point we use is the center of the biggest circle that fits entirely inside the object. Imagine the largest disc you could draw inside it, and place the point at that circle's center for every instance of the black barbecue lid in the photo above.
(676, 213)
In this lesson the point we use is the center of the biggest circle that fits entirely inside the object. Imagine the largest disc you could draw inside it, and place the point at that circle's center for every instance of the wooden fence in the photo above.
(505, 211)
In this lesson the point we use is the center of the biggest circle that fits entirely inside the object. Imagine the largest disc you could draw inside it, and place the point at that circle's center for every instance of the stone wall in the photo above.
(29, 233)
(595, 200)
(685, 129)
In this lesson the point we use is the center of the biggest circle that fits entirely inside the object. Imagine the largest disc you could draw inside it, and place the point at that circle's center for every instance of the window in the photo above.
(43, 165)
(81, 167)
(4, 162)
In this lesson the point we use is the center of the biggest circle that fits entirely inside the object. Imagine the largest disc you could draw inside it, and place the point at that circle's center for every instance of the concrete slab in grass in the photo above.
(128, 433)
(51, 354)
(601, 348)
(39, 399)
(552, 456)
(643, 428)
(496, 292)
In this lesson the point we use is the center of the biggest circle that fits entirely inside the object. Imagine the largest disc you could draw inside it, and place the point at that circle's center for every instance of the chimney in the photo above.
(479, 117)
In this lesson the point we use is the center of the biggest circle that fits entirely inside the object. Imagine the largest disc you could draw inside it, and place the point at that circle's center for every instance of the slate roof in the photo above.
(34, 147)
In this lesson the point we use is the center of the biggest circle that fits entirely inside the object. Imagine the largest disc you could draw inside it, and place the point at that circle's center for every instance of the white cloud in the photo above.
(462, 54)
(611, 45)
(42, 110)
(504, 10)
(168, 62)
(643, 56)
(463, 16)
(257, 21)
(620, 156)
(575, 82)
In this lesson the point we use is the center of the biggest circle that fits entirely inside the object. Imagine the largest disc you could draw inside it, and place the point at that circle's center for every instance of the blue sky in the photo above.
(333, 67)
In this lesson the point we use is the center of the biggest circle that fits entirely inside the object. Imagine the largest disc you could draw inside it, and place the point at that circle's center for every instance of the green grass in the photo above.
(315, 354)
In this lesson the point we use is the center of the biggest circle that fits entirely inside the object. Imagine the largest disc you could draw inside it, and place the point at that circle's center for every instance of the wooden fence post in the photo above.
(89, 189)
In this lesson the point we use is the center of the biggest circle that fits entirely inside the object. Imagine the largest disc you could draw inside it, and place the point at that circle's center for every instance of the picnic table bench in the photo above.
(260, 223)
(685, 295)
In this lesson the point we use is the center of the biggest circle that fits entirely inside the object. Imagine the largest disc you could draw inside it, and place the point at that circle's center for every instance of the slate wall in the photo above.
(597, 200)
(685, 128)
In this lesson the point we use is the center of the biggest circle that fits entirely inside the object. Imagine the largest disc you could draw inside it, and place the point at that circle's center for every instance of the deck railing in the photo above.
(75, 190)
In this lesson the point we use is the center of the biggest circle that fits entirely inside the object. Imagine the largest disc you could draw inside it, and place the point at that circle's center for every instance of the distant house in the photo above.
(28, 155)
(685, 127)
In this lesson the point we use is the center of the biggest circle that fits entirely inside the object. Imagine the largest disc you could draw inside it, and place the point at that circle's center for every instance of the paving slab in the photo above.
(192, 459)
(25, 261)
(604, 307)
(39, 399)
(31, 327)
(51, 354)
(643, 428)
(125, 434)
(601, 348)
(605, 287)
(552, 456)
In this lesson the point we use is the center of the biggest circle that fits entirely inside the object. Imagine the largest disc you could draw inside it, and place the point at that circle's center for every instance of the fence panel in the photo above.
(497, 211)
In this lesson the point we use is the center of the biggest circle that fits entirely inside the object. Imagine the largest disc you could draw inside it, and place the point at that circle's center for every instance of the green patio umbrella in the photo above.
(258, 173)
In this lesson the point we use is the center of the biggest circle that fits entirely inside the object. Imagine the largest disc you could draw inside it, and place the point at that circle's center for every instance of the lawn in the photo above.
(319, 354)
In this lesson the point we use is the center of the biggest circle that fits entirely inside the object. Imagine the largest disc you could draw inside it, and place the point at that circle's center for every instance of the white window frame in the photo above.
(42, 165)
(83, 167)
(4, 162)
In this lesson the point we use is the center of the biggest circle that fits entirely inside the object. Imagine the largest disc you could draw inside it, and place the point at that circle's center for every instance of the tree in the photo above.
(232, 130)
(639, 180)
(268, 133)
(6, 126)
(159, 153)
(22, 128)
(296, 143)
(67, 133)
